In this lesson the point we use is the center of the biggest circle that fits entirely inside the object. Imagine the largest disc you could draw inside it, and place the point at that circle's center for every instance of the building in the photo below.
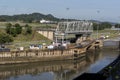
(44, 21)
(114, 28)
(47, 21)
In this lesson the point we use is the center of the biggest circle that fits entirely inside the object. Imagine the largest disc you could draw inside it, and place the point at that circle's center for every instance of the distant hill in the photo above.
(28, 17)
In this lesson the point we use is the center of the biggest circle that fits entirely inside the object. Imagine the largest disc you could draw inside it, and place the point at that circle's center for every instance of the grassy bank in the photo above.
(25, 40)
(110, 33)
(34, 25)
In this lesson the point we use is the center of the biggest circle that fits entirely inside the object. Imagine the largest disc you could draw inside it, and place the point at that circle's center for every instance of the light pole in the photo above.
(119, 26)
(97, 30)
(67, 14)
(67, 9)
(97, 25)
(119, 29)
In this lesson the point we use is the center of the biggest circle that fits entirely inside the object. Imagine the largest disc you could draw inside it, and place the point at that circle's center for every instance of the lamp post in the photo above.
(67, 9)
(97, 25)
(97, 30)
(118, 28)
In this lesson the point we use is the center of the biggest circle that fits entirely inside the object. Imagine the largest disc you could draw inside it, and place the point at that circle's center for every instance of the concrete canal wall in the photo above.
(33, 56)
(47, 33)
(111, 44)
(46, 55)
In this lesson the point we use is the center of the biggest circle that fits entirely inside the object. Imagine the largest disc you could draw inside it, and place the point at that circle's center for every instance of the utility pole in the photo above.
(118, 29)
(97, 25)
(67, 9)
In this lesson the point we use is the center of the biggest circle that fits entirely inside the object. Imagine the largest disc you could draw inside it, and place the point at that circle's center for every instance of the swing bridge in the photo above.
(78, 28)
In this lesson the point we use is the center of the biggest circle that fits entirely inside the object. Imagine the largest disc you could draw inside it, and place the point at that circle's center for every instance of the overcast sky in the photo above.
(104, 10)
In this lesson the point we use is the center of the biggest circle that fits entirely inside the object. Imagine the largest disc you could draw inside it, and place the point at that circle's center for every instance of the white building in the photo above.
(47, 21)
(44, 21)
(113, 28)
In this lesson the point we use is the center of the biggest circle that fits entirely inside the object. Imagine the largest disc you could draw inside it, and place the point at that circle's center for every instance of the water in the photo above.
(58, 70)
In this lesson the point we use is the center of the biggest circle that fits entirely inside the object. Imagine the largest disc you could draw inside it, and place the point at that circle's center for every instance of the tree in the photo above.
(13, 32)
(5, 38)
(8, 28)
(117, 25)
(18, 28)
(101, 26)
(28, 29)
(104, 25)
(2, 20)
(95, 25)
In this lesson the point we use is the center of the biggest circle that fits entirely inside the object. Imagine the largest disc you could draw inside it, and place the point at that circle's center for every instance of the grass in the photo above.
(110, 33)
(2, 30)
(26, 40)
(34, 25)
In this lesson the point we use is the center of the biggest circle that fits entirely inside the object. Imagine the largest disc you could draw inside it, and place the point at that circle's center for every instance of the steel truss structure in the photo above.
(73, 27)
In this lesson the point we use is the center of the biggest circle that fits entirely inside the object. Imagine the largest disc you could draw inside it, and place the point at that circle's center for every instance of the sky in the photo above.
(103, 10)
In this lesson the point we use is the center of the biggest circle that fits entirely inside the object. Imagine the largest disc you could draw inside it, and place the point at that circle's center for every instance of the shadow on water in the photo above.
(55, 70)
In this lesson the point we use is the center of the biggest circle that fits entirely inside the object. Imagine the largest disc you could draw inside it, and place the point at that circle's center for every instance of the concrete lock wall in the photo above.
(42, 55)
(47, 53)
(111, 43)
(48, 34)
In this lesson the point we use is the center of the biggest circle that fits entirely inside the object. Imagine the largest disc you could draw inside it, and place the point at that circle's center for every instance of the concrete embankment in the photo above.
(46, 55)
(113, 43)
(34, 56)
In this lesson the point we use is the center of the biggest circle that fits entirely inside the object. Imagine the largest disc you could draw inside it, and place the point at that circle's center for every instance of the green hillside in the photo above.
(34, 17)
(26, 40)
(30, 37)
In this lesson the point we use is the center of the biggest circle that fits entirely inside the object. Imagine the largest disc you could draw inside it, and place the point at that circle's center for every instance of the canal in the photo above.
(93, 62)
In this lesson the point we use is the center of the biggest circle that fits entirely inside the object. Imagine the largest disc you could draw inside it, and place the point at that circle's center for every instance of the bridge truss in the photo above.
(73, 27)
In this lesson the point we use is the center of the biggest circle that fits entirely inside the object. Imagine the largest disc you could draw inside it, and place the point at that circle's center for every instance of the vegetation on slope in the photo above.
(34, 17)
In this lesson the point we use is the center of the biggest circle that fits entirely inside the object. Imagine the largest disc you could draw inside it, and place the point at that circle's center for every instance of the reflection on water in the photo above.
(58, 70)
